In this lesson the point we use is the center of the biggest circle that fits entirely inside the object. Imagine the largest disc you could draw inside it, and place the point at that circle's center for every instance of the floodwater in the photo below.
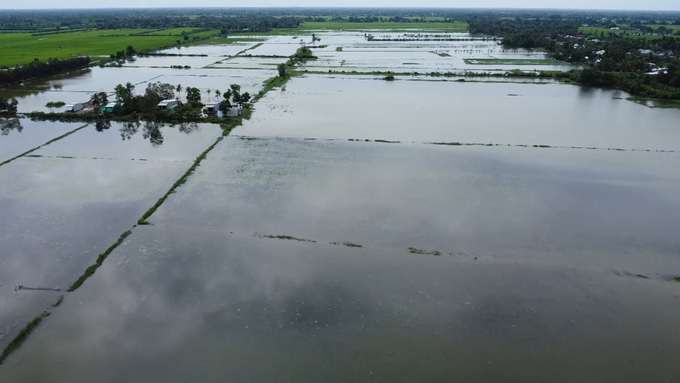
(546, 258)
(21, 135)
(329, 239)
(70, 200)
(433, 111)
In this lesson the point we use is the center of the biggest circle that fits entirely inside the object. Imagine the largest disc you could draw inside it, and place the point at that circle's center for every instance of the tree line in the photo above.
(37, 68)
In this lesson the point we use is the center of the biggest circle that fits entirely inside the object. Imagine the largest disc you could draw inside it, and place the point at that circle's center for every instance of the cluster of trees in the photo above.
(301, 56)
(128, 52)
(36, 68)
(8, 107)
(524, 33)
(635, 84)
(129, 103)
(233, 97)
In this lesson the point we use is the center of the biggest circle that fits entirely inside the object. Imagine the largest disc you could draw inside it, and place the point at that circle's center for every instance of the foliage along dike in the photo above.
(39, 69)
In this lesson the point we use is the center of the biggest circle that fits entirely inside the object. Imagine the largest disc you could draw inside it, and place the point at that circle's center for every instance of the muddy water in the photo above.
(421, 111)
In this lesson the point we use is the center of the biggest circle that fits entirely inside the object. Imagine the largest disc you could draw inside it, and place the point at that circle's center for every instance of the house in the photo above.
(170, 105)
(213, 110)
(644, 51)
(109, 107)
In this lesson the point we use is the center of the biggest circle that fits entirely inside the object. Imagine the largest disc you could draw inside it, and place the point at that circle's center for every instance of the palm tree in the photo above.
(179, 91)
(218, 94)
(130, 88)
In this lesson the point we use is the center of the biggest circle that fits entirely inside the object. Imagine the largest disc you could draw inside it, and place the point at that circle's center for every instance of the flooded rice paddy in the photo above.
(352, 230)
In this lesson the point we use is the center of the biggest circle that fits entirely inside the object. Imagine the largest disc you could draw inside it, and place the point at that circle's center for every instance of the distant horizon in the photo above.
(125, 5)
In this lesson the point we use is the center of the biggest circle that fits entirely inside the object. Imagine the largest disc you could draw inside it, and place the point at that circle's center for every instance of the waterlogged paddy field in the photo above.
(435, 111)
(410, 52)
(250, 62)
(70, 200)
(527, 264)
(299, 251)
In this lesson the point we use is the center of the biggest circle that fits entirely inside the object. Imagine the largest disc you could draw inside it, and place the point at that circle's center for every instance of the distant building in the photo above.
(109, 107)
(644, 51)
(170, 105)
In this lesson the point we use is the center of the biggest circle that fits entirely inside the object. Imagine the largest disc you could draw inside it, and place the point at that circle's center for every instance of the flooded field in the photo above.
(434, 111)
(353, 229)
(68, 201)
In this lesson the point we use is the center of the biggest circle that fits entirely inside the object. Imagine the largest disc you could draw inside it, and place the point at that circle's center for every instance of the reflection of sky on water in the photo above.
(181, 303)
(504, 201)
(61, 210)
(31, 135)
(132, 140)
(426, 111)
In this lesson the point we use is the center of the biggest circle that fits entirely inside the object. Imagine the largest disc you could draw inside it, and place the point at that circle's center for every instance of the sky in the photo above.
(561, 4)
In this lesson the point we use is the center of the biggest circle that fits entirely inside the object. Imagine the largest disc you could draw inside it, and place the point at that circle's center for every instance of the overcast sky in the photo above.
(563, 4)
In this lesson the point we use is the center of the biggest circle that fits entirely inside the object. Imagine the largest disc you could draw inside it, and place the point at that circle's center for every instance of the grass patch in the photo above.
(274, 82)
(22, 48)
(288, 238)
(338, 49)
(322, 46)
(22, 335)
(413, 250)
(350, 244)
(441, 54)
(58, 302)
(100, 259)
(248, 49)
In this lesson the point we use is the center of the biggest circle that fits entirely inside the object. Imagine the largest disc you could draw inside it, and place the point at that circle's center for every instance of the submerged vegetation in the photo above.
(414, 250)
(288, 238)
(21, 336)
(100, 259)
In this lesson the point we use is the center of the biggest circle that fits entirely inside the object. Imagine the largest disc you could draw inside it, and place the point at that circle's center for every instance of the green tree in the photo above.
(99, 98)
(283, 71)
(236, 93)
(186, 38)
(130, 50)
(245, 98)
(52, 105)
(178, 88)
(224, 106)
(194, 96)
(123, 94)
(163, 90)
